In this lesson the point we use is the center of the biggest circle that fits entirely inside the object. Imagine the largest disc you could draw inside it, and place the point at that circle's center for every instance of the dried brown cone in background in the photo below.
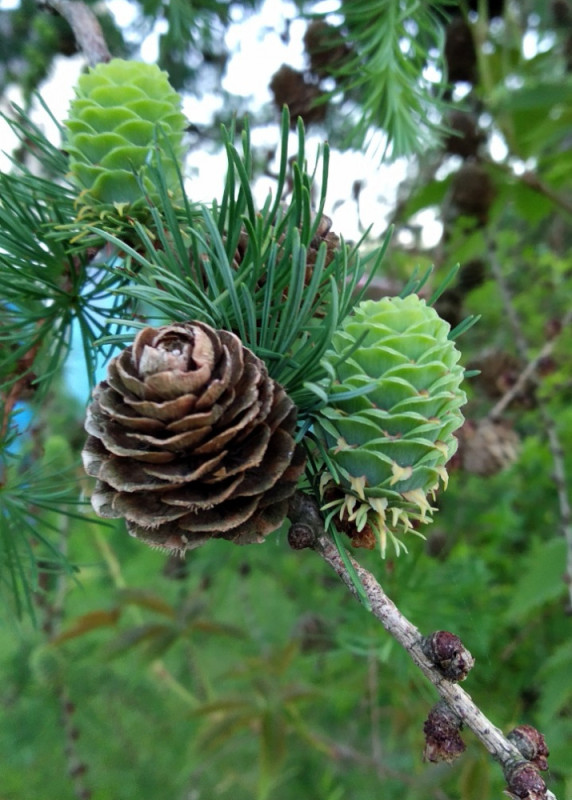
(325, 47)
(465, 138)
(449, 306)
(472, 274)
(332, 242)
(561, 13)
(499, 371)
(472, 192)
(460, 52)
(190, 439)
(487, 447)
(492, 8)
(290, 88)
(323, 234)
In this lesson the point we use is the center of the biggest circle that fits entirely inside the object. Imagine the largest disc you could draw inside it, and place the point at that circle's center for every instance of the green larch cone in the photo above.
(390, 444)
(122, 109)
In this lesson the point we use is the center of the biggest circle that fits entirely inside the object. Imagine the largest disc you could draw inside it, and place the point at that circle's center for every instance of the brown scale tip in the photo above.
(448, 653)
(524, 782)
(531, 744)
(442, 735)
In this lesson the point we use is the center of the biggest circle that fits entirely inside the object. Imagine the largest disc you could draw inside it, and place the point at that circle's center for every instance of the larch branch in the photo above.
(554, 443)
(307, 531)
(86, 29)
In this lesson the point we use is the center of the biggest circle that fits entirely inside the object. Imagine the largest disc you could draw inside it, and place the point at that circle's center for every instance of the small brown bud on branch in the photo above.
(531, 744)
(524, 782)
(442, 734)
(301, 536)
(435, 655)
(448, 653)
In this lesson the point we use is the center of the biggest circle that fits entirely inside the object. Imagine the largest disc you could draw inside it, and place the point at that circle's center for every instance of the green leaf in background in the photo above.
(541, 579)
(427, 195)
(474, 782)
(91, 621)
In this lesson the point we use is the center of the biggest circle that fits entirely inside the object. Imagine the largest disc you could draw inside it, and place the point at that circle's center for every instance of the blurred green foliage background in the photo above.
(252, 673)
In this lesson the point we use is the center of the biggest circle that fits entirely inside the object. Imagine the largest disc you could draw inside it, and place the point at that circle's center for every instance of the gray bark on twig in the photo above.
(85, 27)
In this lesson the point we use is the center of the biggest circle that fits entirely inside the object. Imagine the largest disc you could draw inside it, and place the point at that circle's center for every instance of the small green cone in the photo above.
(119, 109)
(388, 446)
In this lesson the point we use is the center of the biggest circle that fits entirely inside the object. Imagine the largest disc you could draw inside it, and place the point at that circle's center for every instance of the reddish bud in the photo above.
(524, 782)
(531, 744)
(448, 653)
(442, 734)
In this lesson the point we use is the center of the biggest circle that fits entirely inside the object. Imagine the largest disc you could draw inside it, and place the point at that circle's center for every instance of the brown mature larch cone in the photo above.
(290, 88)
(190, 439)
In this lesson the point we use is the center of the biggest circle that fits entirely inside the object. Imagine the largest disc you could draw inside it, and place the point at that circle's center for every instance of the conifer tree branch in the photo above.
(554, 443)
(533, 181)
(86, 29)
(384, 70)
(307, 531)
(529, 373)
